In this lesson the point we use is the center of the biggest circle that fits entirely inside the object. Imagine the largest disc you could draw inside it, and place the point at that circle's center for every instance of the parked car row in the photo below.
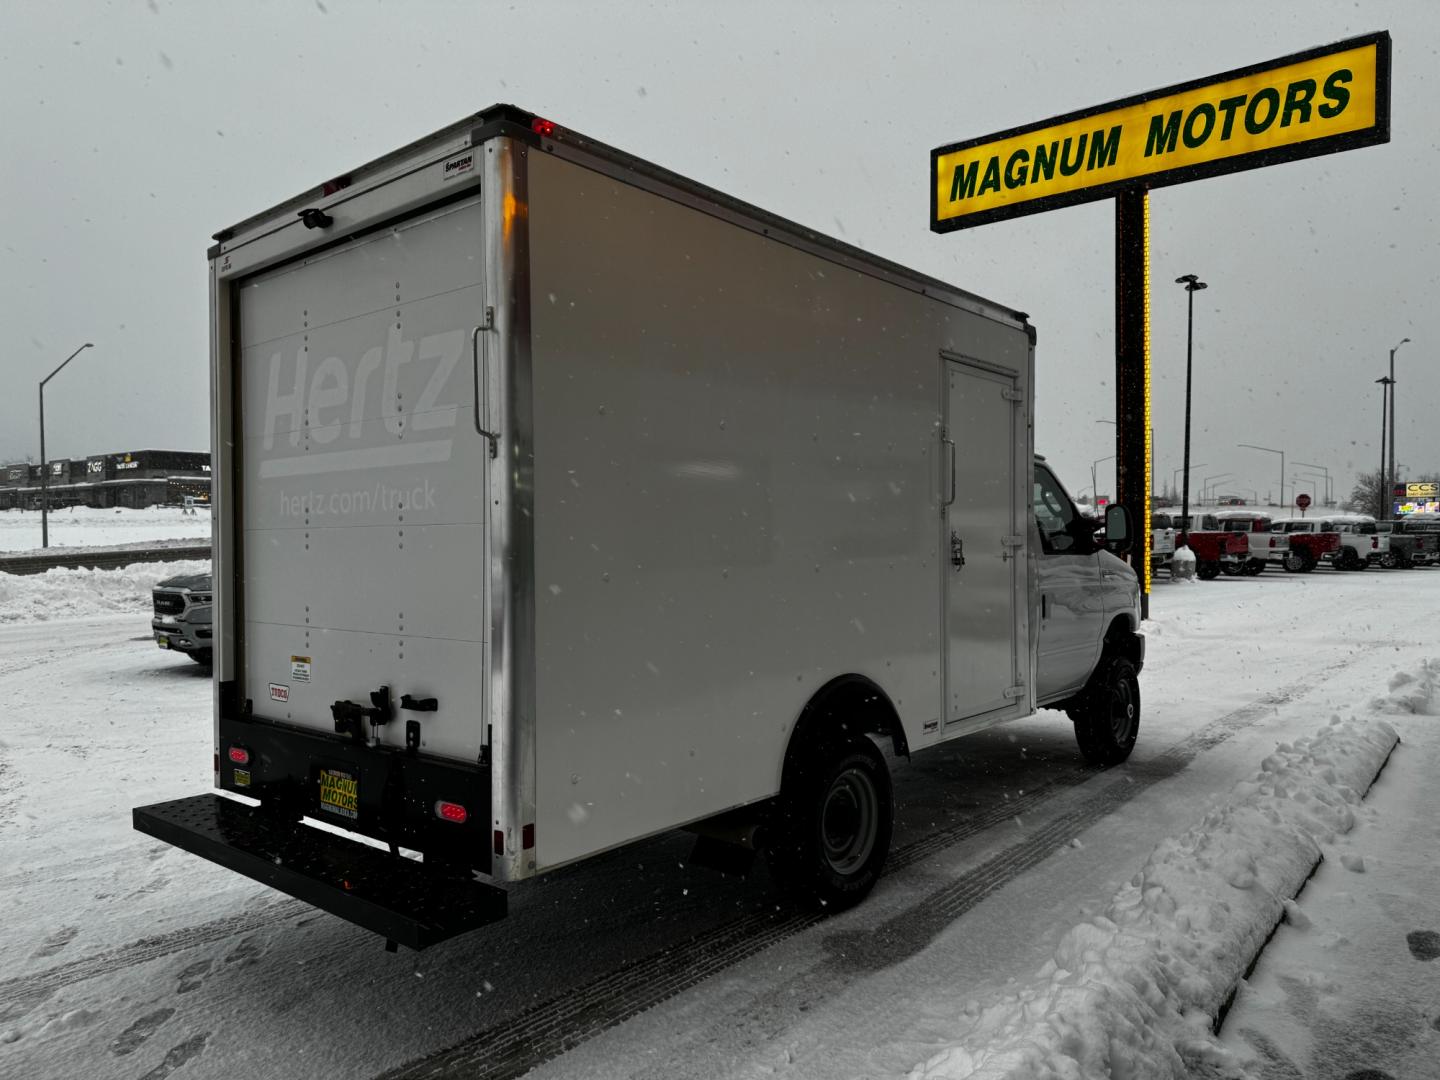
(1246, 542)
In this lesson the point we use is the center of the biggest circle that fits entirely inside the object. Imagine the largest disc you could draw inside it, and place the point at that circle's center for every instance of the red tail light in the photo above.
(449, 811)
(542, 127)
(239, 755)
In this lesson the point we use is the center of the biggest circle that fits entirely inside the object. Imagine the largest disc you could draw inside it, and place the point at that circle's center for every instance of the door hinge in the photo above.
(1010, 393)
(1014, 693)
(1011, 541)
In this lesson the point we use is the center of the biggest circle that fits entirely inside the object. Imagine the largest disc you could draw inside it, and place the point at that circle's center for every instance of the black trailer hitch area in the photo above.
(350, 716)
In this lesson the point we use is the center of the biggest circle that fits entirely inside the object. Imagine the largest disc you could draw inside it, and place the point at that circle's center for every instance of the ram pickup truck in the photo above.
(1412, 543)
(1266, 545)
(182, 620)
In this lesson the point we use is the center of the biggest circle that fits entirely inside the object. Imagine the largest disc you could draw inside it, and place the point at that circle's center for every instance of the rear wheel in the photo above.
(832, 824)
(1207, 571)
(1107, 713)
(1255, 567)
(1346, 559)
(1231, 569)
(1391, 560)
(1299, 561)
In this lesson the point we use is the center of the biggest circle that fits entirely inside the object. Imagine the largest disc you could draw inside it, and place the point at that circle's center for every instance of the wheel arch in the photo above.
(852, 704)
(1122, 638)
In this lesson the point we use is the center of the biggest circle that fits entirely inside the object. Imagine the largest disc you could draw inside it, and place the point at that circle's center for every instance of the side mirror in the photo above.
(1119, 529)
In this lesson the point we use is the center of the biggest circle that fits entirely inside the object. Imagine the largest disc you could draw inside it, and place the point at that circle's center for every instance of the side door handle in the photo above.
(479, 370)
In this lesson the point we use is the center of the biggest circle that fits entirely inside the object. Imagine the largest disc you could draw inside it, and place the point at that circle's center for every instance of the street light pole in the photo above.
(45, 465)
(1271, 450)
(1192, 285)
(1383, 488)
(1388, 494)
(1324, 470)
(1094, 484)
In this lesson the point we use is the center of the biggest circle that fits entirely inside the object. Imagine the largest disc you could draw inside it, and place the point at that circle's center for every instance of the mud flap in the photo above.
(398, 898)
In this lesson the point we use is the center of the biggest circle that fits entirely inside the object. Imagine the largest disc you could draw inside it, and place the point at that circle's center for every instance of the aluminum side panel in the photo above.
(736, 492)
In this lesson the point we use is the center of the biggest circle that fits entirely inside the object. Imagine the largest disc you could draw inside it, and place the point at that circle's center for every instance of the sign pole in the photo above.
(1132, 374)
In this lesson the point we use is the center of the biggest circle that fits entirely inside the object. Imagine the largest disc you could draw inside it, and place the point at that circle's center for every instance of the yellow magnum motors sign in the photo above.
(1316, 102)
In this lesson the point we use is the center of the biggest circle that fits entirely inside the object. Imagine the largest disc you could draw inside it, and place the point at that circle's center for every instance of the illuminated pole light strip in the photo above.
(1145, 419)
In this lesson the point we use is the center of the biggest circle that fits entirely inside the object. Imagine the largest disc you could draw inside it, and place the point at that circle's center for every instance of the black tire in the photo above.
(1298, 561)
(1391, 560)
(831, 831)
(201, 656)
(1107, 713)
(1255, 567)
(1346, 559)
(1207, 571)
(1232, 569)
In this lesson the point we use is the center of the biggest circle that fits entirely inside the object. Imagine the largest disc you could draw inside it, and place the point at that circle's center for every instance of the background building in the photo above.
(132, 478)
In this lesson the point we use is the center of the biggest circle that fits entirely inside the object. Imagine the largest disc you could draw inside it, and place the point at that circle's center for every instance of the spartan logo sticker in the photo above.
(459, 166)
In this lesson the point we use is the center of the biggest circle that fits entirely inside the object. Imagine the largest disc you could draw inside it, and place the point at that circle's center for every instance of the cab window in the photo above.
(1055, 514)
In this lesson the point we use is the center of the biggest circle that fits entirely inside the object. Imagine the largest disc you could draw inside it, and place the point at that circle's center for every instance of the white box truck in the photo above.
(561, 501)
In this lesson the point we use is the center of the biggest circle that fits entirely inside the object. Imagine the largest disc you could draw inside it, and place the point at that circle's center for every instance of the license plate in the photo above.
(162, 641)
(339, 793)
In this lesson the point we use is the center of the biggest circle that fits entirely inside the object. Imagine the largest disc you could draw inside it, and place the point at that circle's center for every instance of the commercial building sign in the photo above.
(1316, 102)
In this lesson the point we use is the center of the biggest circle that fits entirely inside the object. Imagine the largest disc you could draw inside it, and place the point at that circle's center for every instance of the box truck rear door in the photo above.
(363, 498)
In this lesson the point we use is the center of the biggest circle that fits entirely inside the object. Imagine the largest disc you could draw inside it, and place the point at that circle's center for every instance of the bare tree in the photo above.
(1368, 495)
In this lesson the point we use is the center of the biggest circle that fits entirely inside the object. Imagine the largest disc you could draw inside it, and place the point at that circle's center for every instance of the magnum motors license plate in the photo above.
(339, 793)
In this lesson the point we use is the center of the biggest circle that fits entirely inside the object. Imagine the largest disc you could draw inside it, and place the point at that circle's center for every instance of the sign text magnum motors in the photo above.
(1317, 102)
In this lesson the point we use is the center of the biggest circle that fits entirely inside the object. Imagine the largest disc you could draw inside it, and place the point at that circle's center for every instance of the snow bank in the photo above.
(85, 526)
(64, 594)
(1134, 993)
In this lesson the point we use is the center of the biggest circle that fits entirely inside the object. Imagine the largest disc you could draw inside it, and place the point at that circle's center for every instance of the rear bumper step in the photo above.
(398, 898)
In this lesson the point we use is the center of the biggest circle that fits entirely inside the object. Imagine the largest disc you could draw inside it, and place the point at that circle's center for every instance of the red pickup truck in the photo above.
(1215, 548)
(1309, 543)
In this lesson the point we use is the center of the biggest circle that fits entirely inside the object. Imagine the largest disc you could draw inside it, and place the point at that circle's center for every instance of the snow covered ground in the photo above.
(1038, 919)
(84, 526)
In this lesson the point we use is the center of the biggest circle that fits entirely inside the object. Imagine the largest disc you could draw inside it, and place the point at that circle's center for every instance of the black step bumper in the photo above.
(400, 899)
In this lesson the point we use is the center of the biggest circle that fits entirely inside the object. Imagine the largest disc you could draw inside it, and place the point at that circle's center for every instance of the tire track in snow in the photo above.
(552, 1027)
(519, 1043)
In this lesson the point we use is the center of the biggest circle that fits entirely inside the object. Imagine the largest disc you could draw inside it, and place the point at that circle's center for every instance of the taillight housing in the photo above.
(451, 811)
(239, 755)
(542, 127)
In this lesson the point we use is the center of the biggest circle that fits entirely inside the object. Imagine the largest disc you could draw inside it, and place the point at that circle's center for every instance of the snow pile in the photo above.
(1409, 694)
(63, 594)
(86, 526)
(1135, 992)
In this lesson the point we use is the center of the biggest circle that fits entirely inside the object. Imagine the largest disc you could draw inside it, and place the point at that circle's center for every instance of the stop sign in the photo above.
(1302, 500)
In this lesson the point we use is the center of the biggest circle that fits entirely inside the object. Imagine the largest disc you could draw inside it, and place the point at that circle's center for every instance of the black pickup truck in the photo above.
(1413, 542)
(182, 619)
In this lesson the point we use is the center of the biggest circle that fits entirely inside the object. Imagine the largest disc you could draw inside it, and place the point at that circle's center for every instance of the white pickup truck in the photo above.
(1162, 540)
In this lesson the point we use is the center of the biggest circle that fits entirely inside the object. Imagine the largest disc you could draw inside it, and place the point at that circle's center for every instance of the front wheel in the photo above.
(1107, 713)
(832, 825)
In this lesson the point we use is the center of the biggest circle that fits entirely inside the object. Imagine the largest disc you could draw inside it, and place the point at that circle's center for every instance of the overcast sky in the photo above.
(133, 130)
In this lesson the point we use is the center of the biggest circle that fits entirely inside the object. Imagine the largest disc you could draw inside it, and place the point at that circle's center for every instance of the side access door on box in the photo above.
(983, 546)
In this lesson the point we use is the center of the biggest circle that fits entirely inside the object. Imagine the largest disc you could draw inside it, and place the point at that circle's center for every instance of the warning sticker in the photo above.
(299, 669)
(279, 692)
